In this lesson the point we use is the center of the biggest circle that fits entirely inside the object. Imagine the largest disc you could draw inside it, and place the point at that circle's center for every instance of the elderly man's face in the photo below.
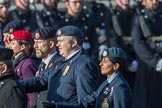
(65, 45)
(3, 11)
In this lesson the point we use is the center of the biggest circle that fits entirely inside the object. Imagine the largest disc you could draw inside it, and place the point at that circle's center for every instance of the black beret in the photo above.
(6, 54)
(70, 31)
(45, 33)
(13, 26)
(114, 52)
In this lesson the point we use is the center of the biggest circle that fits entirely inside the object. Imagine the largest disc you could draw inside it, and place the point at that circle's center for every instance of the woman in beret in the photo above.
(114, 92)
(21, 42)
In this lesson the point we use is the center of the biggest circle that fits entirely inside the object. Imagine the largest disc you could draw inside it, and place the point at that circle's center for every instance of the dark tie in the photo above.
(42, 66)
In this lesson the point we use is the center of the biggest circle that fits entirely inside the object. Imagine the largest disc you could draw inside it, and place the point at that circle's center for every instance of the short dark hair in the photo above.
(121, 61)
(79, 40)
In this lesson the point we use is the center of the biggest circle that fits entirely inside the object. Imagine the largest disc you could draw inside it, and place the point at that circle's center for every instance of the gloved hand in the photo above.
(47, 104)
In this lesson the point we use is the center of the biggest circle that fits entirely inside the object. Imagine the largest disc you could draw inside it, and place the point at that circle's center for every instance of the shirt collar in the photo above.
(73, 54)
(49, 58)
(112, 77)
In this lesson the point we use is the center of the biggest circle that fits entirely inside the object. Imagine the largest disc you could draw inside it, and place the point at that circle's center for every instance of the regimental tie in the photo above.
(42, 66)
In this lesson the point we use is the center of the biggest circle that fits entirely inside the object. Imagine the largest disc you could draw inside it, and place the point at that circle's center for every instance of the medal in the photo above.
(66, 70)
(51, 64)
(105, 103)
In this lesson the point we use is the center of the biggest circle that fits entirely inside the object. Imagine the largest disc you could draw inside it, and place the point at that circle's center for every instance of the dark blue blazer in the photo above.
(80, 80)
(119, 95)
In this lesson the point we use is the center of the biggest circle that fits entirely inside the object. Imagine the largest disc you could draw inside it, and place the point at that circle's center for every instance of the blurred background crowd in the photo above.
(133, 25)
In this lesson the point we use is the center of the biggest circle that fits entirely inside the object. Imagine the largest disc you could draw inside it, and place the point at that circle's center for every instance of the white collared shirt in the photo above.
(49, 59)
(112, 77)
(73, 54)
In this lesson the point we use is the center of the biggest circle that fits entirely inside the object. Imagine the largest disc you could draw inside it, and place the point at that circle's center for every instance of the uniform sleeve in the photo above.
(87, 102)
(17, 98)
(35, 84)
(141, 46)
(87, 79)
(122, 97)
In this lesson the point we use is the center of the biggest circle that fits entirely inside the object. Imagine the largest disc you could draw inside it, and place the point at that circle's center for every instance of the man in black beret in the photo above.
(11, 93)
(78, 74)
(45, 49)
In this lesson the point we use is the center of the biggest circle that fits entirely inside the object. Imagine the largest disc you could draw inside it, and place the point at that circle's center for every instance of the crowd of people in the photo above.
(84, 55)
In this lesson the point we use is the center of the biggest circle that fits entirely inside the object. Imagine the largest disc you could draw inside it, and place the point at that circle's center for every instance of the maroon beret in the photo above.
(21, 35)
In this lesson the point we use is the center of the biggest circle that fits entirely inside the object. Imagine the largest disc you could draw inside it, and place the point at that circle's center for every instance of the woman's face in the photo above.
(106, 66)
(16, 47)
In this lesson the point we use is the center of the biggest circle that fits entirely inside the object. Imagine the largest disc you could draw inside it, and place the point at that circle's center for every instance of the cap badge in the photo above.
(59, 32)
(11, 30)
(104, 53)
(37, 35)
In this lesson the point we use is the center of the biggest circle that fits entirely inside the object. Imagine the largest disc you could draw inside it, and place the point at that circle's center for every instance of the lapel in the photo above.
(106, 91)
(52, 61)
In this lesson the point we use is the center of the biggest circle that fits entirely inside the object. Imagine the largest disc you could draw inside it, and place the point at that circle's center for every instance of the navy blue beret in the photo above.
(6, 54)
(70, 31)
(45, 33)
(114, 52)
(13, 26)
